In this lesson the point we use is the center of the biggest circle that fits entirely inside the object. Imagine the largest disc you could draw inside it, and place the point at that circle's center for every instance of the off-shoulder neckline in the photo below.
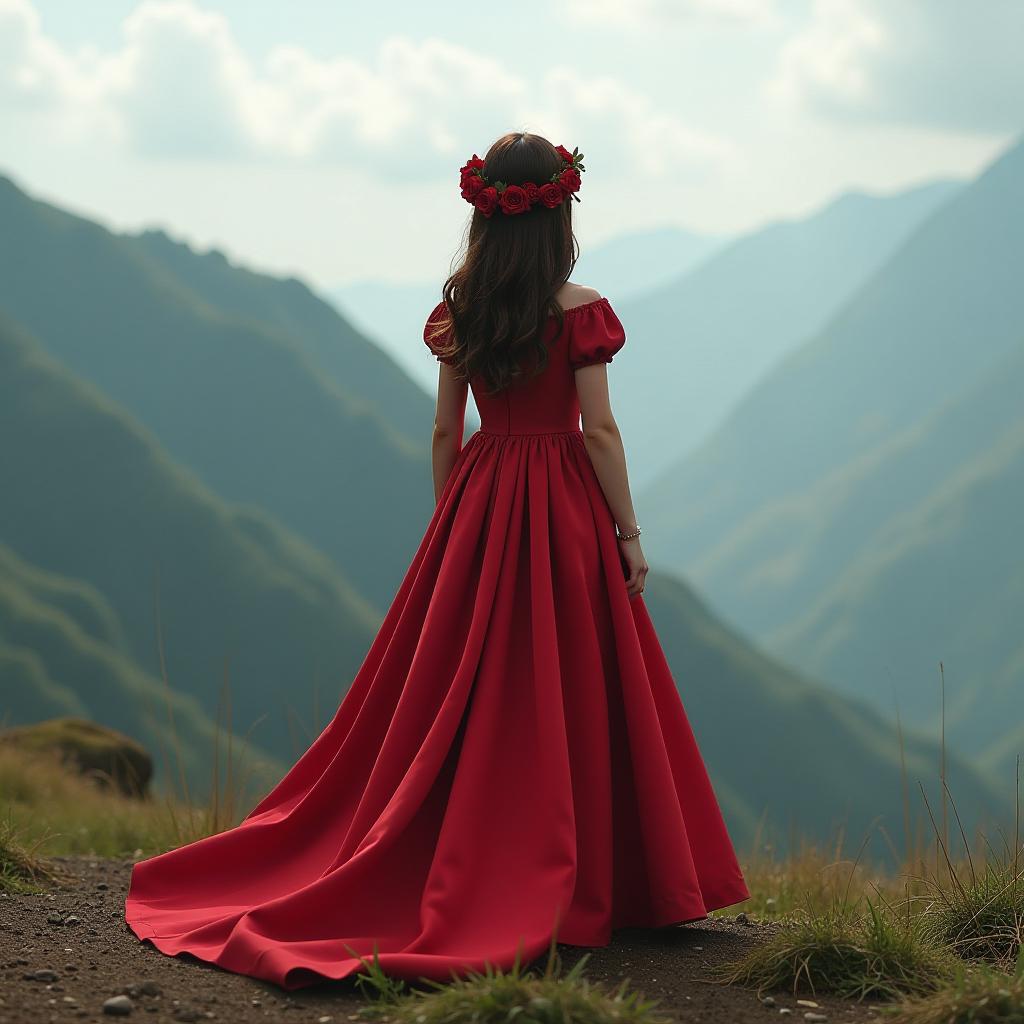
(582, 305)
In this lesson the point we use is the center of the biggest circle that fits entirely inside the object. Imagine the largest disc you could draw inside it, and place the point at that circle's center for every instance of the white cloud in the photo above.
(40, 79)
(936, 63)
(180, 86)
(645, 14)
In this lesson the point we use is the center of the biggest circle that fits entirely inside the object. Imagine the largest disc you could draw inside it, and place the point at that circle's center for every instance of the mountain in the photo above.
(642, 261)
(366, 374)
(91, 497)
(837, 514)
(938, 579)
(780, 745)
(696, 345)
(61, 653)
(235, 398)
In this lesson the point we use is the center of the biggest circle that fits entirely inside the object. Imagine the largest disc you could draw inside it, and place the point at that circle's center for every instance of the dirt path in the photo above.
(53, 972)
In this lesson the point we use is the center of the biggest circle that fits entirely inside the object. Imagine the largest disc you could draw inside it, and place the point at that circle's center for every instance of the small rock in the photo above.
(54, 918)
(150, 988)
(815, 1018)
(768, 1001)
(102, 885)
(741, 918)
(806, 1002)
(71, 919)
(185, 1013)
(785, 1010)
(43, 974)
(119, 1006)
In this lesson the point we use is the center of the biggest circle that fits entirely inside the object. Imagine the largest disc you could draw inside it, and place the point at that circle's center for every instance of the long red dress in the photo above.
(512, 760)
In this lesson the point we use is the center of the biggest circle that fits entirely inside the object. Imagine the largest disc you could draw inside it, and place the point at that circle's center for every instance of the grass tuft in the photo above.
(978, 994)
(497, 996)
(879, 954)
(21, 870)
(980, 917)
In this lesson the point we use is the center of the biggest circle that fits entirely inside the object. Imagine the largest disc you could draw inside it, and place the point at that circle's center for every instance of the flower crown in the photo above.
(562, 186)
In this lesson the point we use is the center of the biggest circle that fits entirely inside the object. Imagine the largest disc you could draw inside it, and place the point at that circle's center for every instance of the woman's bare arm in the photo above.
(449, 426)
(604, 445)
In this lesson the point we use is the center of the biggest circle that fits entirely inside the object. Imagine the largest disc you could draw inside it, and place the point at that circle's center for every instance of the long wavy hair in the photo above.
(500, 297)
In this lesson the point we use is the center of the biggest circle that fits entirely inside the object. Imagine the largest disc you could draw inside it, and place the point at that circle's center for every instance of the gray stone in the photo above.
(119, 1006)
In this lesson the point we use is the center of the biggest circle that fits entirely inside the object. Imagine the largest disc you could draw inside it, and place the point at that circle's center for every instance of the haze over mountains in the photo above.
(393, 314)
(699, 342)
(173, 424)
(857, 512)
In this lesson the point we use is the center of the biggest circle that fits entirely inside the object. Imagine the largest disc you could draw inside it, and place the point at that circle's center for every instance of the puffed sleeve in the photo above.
(595, 333)
(437, 314)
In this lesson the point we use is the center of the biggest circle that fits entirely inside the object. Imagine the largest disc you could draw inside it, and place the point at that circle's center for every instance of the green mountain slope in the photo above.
(235, 399)
(696, 345)
(91, 496)
(945, 307)
(808, 519)
(779, 745)
(60, 654)
(367, 375)
(941, 581)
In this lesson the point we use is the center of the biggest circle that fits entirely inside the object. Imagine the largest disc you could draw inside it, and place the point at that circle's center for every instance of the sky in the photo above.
(323, 139)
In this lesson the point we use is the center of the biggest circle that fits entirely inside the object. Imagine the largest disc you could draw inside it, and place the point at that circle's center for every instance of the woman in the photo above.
(512, 761)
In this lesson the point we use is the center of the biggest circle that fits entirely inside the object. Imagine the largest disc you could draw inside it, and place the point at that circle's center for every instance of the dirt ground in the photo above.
(64, 952)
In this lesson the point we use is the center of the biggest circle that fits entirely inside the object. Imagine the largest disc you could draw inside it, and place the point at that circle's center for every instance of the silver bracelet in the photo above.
(627, 536)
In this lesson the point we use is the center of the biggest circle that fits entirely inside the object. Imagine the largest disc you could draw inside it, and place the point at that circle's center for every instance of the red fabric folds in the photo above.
(512, 759)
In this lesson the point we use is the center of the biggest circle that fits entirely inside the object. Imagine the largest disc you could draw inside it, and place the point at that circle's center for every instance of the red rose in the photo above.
(532, 192)
(551, 194)
(472, 186)
(471, 164)
(564, 154)
(569, 180)
(486, 200)
(514, 200)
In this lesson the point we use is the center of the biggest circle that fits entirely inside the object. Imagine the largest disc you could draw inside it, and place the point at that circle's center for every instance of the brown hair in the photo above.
(499, 298)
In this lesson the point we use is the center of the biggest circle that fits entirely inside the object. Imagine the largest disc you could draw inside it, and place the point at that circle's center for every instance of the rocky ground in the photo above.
(64, 953)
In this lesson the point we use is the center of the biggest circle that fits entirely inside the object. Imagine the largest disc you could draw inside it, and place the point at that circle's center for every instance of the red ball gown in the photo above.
(511, 762)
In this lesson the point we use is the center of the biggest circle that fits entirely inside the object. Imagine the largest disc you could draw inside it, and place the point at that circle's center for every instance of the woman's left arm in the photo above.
(449, 425)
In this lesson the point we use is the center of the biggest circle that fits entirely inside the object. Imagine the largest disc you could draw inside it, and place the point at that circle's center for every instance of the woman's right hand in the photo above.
(636, 565)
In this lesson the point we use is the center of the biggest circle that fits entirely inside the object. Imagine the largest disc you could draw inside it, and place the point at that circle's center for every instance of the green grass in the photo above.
(980, 914)
(496, 996)
(879, 952)
(978, 994)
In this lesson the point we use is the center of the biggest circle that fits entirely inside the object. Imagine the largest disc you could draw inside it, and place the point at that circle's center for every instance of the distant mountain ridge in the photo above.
(694, 346)
(240, 398)
(842, 513)
(92, 498)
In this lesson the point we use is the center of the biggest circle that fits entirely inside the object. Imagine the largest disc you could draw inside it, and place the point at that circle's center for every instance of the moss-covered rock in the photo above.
(105, 755)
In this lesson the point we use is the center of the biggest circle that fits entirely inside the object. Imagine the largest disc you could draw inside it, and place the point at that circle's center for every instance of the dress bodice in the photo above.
(547, 402)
